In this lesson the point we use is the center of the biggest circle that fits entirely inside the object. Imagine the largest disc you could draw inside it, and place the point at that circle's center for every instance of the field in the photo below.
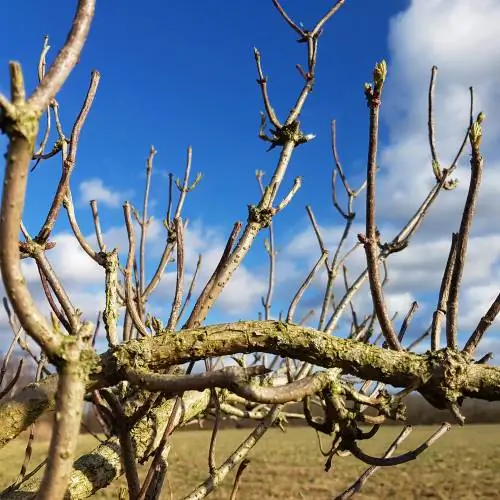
(464, 464)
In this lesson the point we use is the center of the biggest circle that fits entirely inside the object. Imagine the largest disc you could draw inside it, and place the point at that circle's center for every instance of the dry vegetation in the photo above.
(463, 465)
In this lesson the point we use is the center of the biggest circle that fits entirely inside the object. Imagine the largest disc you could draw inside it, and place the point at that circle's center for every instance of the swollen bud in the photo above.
(379, 74)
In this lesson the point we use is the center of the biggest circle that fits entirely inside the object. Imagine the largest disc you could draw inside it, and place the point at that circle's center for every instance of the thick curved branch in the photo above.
(444, 374)
(236, 380)
(69, 409)
(21, 125)
(400, 459)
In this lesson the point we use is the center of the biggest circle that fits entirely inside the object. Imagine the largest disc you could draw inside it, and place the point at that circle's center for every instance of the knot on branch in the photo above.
(172, 235)
(441, 174)
(19, 121)
(284, 134)
(394, 246)
(152, 322)
(390, 406)
(449, 377)
(261, 216)
(28, 248)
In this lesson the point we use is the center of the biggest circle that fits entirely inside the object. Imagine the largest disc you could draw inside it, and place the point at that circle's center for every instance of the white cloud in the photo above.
(94, 189)
(475, 302)
(420, 266)
(71, 264)
(463, 40)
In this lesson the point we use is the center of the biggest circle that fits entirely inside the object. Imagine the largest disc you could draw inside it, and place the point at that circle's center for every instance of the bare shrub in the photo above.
(143, 387)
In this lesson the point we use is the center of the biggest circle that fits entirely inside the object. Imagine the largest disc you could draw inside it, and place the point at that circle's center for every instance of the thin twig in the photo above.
(68, 160)
(144, 223)
(185, 185)
(237, 480)
(444, 291)
(66, 59)
(179, 283)
(401, 459)
(485, 322)
(215, 430)
(407, 320)
(271, 253)
(236, 457)
(431, 123)
(357, 485)
(371, 240)
(97, 225)
(304, 286)
(262, 81)
(129, 293)
(476, 163)
(192, 285)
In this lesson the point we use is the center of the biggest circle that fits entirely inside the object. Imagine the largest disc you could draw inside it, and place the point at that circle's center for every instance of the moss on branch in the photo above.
(443, 376)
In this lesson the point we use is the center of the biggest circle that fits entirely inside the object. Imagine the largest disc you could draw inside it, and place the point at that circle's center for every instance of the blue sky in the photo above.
(183, 73)
(174, 75)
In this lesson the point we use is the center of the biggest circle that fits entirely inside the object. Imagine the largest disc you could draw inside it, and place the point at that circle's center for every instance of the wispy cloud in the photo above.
(94, 189)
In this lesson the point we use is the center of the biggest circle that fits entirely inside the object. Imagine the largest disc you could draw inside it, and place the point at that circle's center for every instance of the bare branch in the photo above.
(179, 283)
(262, 81)
(164, 260)
(407, 320)
(287, 18)
(213, 437)
(235, 458)
(19, 153)
(232, 378)
(431, 123)
(97, 225)
(110, 314)
(129, 292)
(45, 267)
(12, 382)
(66, 59)
(271, 253)
(371, 240)
(69, 159)
(485, 322)
(70, 209)
(476, 162)
(319, 26)
(185, 185)
(127, 447)
(356, 487)
(401, 459)
(144, 223)
(70, 392)
(303, 287)
(237, 480)
(444, 291)
(191, 286)
(48, 294)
